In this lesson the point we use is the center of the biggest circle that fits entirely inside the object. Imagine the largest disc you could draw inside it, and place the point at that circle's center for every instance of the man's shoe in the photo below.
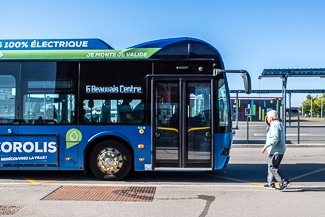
(284, 185)
(272, 186)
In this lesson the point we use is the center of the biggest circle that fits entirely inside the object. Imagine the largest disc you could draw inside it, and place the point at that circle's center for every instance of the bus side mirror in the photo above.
(244, 74)
(247, 82)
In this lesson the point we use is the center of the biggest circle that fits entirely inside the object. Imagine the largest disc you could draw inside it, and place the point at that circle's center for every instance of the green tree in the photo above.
(313, 105)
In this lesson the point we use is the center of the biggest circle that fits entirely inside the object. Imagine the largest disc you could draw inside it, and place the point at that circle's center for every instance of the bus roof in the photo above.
(96, 49)
(181, 48)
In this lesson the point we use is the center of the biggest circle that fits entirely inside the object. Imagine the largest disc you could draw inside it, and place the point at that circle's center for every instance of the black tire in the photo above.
(110, 160)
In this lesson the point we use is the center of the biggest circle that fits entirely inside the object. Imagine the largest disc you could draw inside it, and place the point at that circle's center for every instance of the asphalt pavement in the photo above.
(233, 192)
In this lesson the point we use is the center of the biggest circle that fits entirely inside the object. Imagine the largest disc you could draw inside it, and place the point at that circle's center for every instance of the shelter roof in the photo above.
(311, 72)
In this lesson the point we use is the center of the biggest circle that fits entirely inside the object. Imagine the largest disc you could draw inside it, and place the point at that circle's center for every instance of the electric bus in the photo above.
(80, 104)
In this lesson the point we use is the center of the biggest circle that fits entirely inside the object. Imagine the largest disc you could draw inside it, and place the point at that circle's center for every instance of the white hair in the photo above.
(273, 114)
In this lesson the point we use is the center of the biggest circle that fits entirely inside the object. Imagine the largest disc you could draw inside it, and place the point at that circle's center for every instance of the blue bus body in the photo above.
(78, 104)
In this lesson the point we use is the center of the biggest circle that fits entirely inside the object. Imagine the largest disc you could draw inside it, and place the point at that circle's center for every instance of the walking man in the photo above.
(275, 147)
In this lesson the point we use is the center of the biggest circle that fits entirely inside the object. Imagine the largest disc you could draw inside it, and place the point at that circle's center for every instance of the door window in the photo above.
(167, 120)
(223, 107)
(199, 120)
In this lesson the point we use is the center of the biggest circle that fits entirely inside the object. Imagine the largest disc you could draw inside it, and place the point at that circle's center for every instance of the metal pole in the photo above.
(247, 129)
(237, 110)
(284, 100)
(289, 109)
(248, 114)
(298, 127)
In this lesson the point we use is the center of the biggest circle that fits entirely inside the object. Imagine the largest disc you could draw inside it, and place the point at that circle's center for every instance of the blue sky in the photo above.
(250, 34)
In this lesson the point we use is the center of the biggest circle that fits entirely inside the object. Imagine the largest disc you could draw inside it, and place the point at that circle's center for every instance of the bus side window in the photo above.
(106, 112)
(92, 110)
(7, 99)
(130, 111)
(125, 111)
(138, 112)
(51, 115)
(49, 108)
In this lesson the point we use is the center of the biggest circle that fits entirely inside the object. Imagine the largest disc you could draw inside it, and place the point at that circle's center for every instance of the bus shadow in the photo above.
(301, 172)
(234, 173)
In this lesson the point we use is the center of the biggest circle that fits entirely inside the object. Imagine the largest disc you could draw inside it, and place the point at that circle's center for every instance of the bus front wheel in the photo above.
(110, 160)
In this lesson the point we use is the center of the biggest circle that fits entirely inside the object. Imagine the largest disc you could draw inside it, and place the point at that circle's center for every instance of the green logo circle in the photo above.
(72, 137)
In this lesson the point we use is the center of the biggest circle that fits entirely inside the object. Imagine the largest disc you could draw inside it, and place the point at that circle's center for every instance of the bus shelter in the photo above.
(285, 74)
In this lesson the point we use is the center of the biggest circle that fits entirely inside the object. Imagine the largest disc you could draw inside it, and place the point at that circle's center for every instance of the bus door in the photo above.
(182, 122)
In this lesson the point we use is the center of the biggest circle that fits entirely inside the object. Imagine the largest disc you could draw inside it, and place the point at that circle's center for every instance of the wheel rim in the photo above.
(109, 161)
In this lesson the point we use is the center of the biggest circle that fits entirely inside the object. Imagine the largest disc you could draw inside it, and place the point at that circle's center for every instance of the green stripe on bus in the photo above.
(132, 53)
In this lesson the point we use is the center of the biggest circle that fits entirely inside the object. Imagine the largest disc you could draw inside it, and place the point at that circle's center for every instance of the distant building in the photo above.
(256, 107)
(293, 112)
